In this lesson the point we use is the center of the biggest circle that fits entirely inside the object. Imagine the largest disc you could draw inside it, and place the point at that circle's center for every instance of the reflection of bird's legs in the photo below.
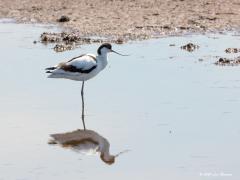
(83, 105)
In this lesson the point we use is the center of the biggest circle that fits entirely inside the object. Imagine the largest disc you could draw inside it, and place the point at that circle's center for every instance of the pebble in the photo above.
(63, 19)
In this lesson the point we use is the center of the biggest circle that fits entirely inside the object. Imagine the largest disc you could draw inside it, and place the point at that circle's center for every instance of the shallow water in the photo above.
(178, 116)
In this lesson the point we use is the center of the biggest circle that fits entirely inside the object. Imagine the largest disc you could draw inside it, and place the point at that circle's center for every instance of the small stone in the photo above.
(183, 28)
(221, 60)
(190, 47)
(63, 19)
(97, 40)
(139, 27)
(119, 41)
(166, 27)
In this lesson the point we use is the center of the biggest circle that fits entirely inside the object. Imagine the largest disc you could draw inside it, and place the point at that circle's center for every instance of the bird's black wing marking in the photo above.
(70, 68)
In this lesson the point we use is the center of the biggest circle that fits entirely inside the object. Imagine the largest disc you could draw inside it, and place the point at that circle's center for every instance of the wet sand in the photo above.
(129, 19)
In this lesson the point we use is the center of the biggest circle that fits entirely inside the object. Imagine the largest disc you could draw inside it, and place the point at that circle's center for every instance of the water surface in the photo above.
(178, 116)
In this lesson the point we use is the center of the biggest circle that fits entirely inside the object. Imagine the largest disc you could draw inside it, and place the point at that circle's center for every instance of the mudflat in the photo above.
(128, 19)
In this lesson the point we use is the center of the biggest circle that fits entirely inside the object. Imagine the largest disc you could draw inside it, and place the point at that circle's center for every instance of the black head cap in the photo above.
(106, 45)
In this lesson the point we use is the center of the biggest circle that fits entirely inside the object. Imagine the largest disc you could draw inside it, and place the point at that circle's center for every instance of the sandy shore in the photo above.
(129, 19)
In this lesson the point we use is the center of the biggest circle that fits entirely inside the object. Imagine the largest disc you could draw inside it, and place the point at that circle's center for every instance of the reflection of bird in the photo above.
(82, 68)
(85, 141)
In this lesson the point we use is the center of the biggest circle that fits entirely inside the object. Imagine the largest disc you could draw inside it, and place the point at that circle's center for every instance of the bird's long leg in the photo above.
(82, 94)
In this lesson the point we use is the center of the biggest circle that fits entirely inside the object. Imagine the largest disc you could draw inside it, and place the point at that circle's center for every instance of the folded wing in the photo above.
(80, 64)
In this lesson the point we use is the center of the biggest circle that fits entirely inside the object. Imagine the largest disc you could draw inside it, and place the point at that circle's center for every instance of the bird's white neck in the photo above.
(102, 60)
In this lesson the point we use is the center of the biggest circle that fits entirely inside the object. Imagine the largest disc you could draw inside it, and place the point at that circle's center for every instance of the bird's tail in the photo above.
(50, 69)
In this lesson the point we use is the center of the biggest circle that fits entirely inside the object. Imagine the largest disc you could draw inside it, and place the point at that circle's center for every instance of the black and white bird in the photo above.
(82, 68)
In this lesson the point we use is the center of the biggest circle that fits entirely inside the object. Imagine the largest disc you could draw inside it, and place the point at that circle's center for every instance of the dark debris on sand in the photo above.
(232, 50)
(228, 62)
(50, 37)
(63, 19)
(69, 40)
(63, 47)
(66, 37)
(190, 47)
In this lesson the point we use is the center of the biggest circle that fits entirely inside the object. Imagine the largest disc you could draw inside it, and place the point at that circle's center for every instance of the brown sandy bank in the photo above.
(129, 19)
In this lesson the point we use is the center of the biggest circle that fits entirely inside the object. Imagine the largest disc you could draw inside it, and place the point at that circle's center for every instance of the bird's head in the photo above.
(109, 159)
(107, 48)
